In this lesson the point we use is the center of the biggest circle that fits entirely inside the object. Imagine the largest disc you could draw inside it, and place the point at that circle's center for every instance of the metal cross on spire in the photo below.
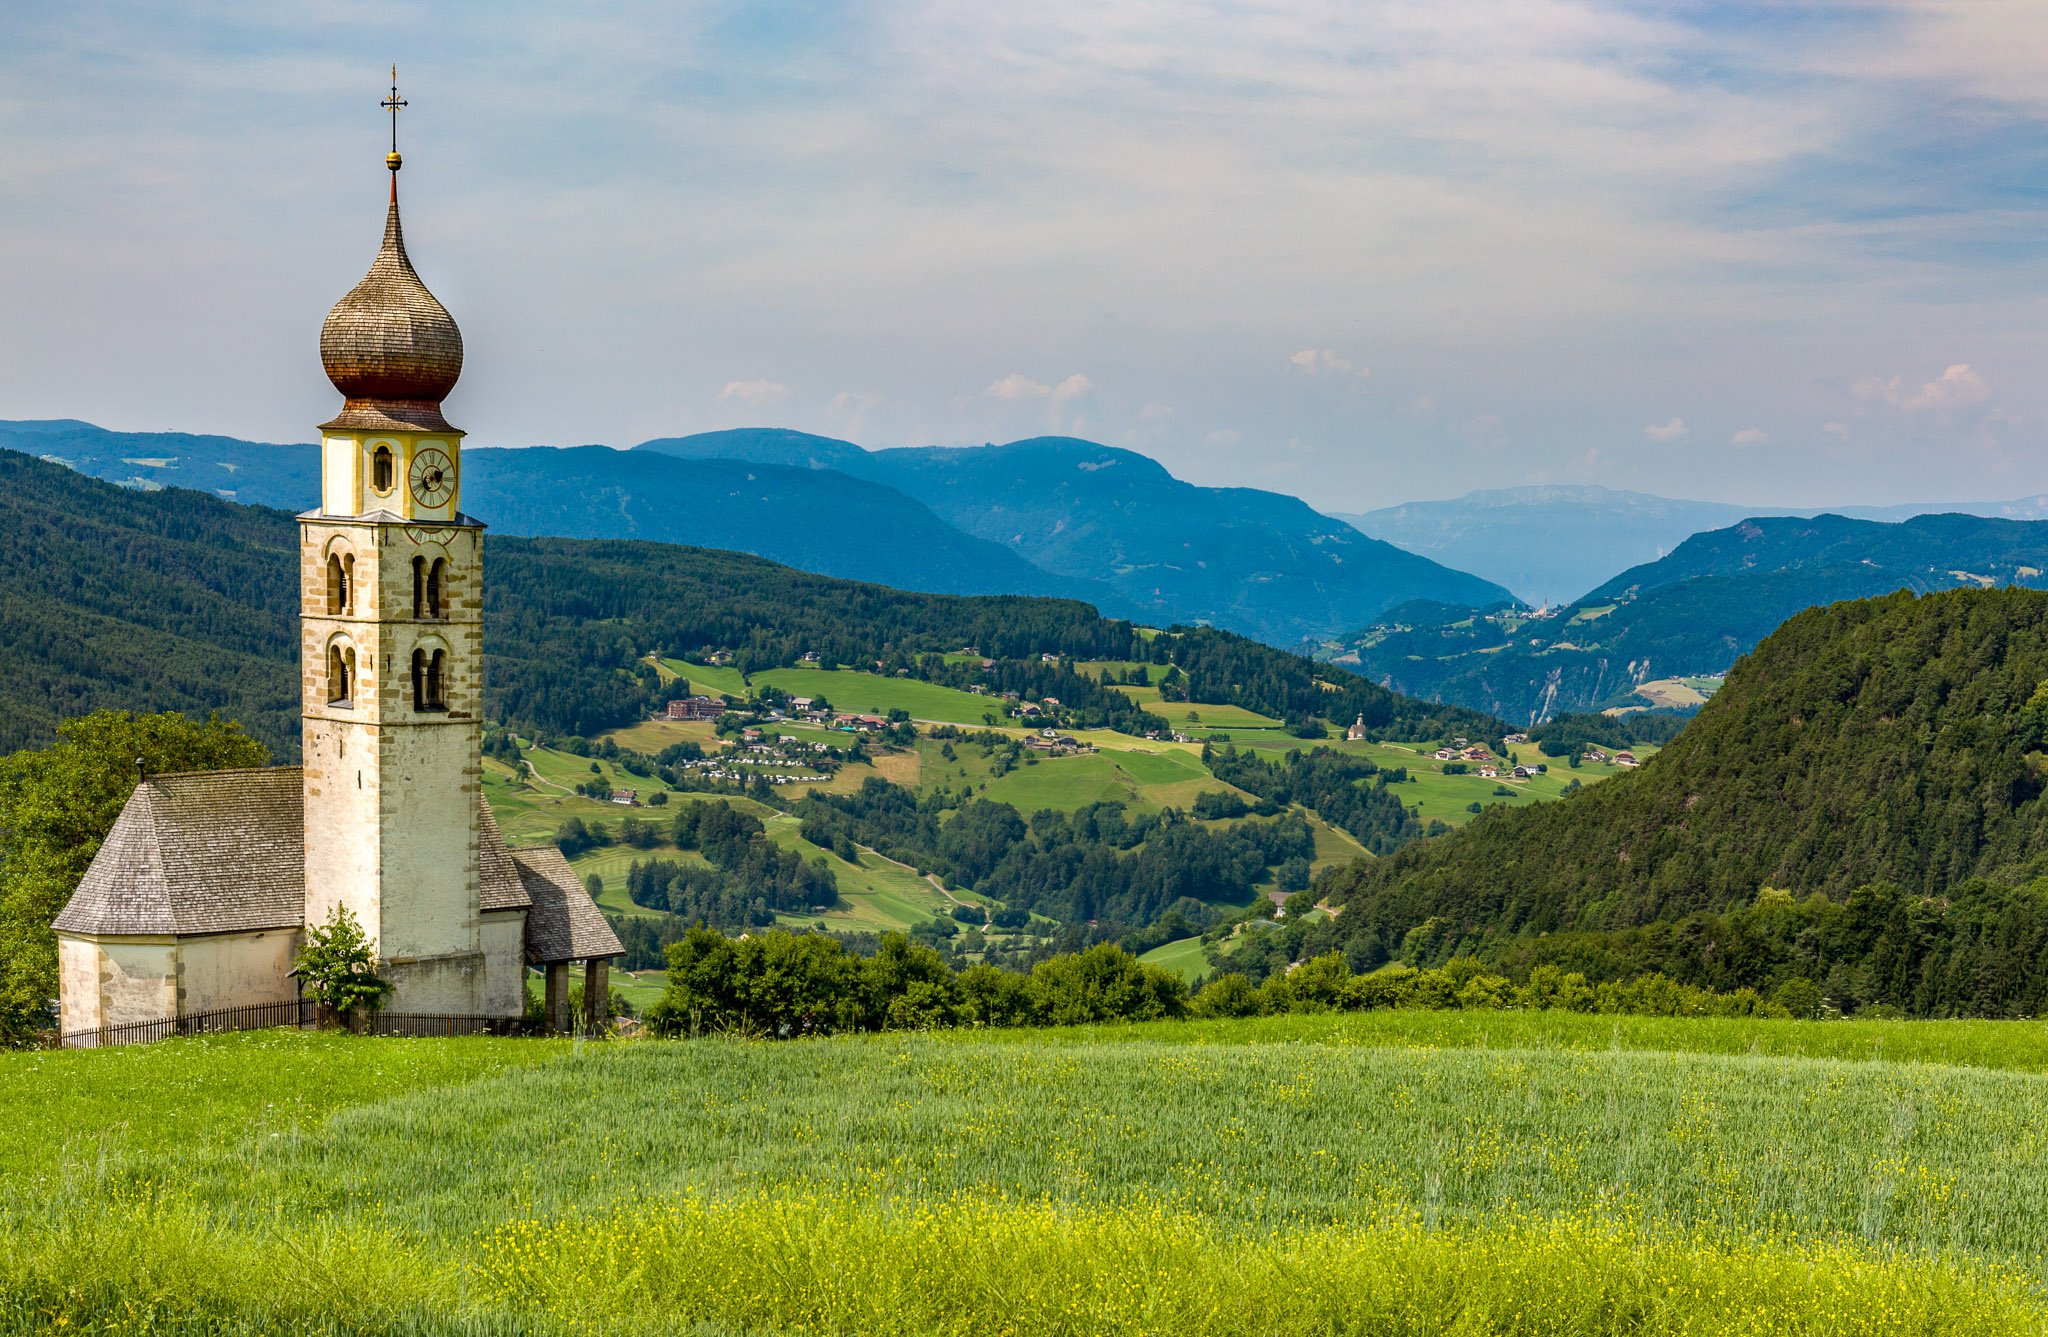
(392, 104)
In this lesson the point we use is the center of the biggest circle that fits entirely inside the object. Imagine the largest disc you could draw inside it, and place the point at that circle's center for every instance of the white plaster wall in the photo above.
(238, 970)
(78, 984)
(138, 981)
(504, 944)
(440, 986)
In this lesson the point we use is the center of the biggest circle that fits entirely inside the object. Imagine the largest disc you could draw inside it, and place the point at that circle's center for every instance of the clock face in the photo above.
(433, 478)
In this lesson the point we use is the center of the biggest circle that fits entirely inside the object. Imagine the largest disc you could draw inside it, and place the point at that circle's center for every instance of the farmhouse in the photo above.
(200, 896)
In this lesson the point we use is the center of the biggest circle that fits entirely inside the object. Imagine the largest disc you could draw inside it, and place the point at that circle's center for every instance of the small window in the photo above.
(337, 586)
(427, 691)
(341, 672)
(437, 588)
(380, 469)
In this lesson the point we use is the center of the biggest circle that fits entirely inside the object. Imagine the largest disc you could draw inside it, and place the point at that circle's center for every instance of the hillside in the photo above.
(1894, 742)
(171, 599)
(1691, 613)
(1551, 544)
(830, 524)
(1257, 562)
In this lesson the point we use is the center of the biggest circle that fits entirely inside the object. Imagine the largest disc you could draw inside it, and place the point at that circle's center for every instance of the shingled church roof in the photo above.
(225, 852)
(499, 885)
(201, 852)
(563, 925)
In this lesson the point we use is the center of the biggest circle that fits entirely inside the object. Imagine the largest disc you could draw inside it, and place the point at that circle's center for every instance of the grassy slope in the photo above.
(1184, 957)
(1651, 1192)
(870, 694)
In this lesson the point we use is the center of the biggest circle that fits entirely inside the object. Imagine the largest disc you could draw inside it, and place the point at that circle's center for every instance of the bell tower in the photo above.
(391, 641)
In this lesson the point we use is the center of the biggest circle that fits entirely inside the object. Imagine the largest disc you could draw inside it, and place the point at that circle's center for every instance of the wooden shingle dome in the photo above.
(389, 346)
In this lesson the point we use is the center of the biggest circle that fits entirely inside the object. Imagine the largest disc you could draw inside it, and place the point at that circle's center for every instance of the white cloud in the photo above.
(1155, 413)
(1018, 386)
(848, 402)
(1313, 361)
(1422, 406)
(1071, 388)
(753, 392)
(1840, 429)
(1958, 387)
(1223, 436)
(1748, 436)
(1485, 430)
(1670, 431)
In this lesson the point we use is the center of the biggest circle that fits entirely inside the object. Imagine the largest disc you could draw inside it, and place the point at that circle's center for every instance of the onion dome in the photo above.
(389, 346)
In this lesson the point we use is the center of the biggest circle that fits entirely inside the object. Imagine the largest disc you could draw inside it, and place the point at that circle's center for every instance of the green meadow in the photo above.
(1371, 1173)
(872, 694)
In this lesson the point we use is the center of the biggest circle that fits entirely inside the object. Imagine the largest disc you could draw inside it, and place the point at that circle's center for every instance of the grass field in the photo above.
(706, 680)
(1378, 1173)
(1185, 958)
(871, 694)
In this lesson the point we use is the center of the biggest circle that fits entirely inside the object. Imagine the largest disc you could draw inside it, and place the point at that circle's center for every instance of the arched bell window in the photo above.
(341, 579)
(382, 470)
(429, 588)
(341, 674)
(429, 691)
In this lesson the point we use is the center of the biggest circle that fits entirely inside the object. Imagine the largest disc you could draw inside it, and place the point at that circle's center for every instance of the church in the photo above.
(197, 902)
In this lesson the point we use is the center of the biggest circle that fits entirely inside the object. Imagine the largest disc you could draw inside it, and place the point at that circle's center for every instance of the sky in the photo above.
(1365, 253)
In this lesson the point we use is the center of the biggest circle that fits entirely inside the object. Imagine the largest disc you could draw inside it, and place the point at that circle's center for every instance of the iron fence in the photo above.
(253, 1017)
(304, 1014)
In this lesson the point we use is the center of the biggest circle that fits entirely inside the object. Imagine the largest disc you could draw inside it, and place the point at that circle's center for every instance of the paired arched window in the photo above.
(430, 587)
(341, 674)
(382, 469)
(429, 680)
(341, 583)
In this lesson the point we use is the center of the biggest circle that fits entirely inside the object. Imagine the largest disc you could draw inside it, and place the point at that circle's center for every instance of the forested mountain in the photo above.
(1257, 562)
(830, 524)
(1884, 756)
(1055, 516)
(144, 601)
(1551, 544)
(174, 600)
(1923, 553)
(1691, 613)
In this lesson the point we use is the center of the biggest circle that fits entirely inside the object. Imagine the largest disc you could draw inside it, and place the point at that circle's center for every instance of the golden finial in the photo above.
(392, 104)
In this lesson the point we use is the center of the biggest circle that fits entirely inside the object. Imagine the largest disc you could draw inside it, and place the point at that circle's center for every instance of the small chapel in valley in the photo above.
(199, 898)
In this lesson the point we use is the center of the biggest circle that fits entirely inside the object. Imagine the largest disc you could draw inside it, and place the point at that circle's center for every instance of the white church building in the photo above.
(198, 899)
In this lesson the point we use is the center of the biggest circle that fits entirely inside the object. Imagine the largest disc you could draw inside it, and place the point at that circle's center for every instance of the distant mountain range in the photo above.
(1261, 563)
(1691, 613)
(1552, 544)
(1053, 516)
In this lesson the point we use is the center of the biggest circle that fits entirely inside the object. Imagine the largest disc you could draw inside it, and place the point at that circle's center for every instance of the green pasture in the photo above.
(872, 694)
(707, 680)
(529, 813)
(1184, 957)
(1207, 715)
(881, 895)
(1398, 1173)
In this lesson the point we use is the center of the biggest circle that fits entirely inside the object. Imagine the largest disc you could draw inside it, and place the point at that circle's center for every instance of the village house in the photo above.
(627, 797)
(1625, 759)
(1489, 772)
